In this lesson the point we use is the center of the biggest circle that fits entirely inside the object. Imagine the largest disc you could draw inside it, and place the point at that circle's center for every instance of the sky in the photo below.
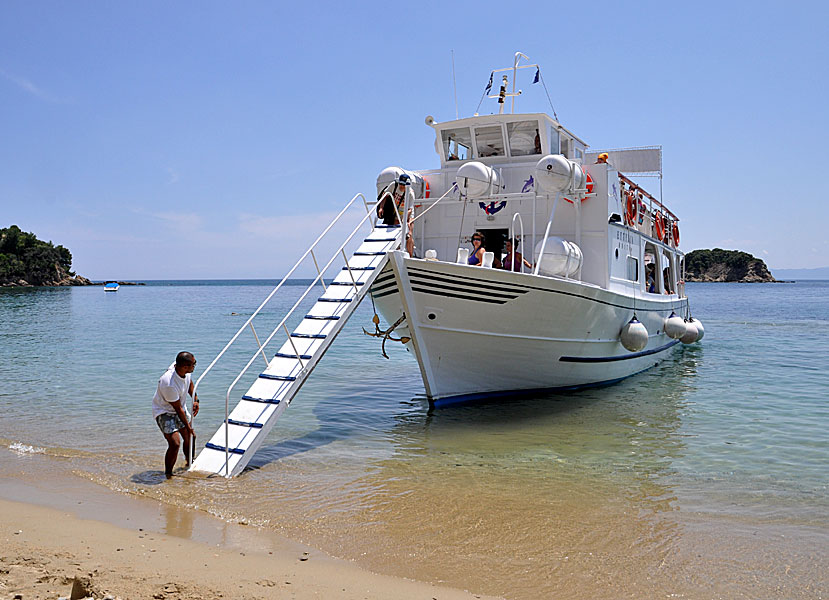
(188, 140)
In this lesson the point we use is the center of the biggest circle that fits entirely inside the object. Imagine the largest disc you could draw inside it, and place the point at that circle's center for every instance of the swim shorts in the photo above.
(169, 423)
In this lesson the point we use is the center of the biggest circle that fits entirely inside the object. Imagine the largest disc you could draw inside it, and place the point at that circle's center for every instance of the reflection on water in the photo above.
(178, 521)
(534, 487)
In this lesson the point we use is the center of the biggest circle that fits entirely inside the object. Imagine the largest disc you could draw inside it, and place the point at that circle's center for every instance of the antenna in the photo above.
(455, 84)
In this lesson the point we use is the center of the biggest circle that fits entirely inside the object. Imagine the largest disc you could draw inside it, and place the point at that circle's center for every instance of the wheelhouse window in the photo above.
(554, 138)
(524, 138)
(566, 147)
(489, 141)
(457, 143)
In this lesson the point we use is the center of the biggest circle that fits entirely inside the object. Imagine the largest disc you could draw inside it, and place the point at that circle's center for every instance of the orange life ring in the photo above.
(630, 209)
(425, 188)
(659, 225)
(675, 233)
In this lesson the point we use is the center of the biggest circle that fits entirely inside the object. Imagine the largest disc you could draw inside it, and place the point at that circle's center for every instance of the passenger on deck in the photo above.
(650, 278)
(666, 278)
(391, 201)
(601, 158)
(476, 257)
(518, 258)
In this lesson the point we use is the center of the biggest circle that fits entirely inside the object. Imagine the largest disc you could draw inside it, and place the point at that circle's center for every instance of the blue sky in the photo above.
(211, 140)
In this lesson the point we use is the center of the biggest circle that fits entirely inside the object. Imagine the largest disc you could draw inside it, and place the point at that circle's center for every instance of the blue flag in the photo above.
(489, 85)
(537, 74)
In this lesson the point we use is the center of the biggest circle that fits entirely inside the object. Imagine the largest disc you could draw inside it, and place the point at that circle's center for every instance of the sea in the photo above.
(703, 477)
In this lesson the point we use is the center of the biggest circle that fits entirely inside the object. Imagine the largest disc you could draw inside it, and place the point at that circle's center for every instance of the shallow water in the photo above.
(703, 477)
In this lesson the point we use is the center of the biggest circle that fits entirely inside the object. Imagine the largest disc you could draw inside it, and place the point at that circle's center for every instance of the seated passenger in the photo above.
(476, 256)
(650, 278)
(666, 278)
(513, 262)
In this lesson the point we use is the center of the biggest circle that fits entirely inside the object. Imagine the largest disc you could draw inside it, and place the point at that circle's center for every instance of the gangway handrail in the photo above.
(281, 324)
(276, 289)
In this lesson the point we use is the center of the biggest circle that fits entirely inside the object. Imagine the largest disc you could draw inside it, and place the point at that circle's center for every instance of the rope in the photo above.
(451, 189)
(540, 76)
(463, 214)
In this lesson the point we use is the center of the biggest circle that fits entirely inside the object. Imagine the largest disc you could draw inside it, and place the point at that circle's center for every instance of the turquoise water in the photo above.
(705, 476)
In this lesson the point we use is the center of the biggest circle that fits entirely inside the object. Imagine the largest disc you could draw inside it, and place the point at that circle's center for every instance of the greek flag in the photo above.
(489, 85)
(537, 75)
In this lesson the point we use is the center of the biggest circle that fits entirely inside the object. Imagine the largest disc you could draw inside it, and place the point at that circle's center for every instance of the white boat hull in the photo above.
(480, 332)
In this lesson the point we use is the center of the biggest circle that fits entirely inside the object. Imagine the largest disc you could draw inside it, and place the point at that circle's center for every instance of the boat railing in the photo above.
(318, 279)
(513, 241)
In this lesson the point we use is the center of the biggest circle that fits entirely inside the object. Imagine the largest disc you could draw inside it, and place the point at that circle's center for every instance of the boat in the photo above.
(111, 286)
(600, 295)
(605, 296)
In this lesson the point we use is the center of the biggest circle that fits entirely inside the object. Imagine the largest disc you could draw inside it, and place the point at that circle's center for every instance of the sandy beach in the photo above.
(136, 548)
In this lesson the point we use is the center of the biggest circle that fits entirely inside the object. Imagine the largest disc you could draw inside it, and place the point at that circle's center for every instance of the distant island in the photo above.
(28, 261)
(726, 265)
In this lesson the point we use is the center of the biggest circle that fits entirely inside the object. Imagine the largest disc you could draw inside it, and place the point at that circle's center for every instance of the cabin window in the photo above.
(566, 147)
(578, 152)
(632, 269)
(651, 270)
(457, 143)
(668, 277)
(524, 138)
(553, 140)
(489, 141)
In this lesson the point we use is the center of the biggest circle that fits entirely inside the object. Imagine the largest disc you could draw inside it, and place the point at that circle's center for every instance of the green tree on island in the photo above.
(26, 260)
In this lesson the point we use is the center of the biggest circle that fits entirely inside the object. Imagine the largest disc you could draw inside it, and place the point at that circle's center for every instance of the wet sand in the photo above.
(55, 530)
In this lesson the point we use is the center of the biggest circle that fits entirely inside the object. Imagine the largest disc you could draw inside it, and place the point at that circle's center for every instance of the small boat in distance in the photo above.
(597, 296)
(111, 286)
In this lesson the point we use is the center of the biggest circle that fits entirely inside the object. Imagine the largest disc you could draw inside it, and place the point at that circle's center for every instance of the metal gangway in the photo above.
(246, 427)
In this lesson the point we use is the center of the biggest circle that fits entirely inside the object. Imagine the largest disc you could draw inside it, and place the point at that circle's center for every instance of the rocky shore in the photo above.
(720, 265)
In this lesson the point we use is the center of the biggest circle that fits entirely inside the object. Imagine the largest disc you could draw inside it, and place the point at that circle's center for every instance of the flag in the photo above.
(489, 85)
(537, 75)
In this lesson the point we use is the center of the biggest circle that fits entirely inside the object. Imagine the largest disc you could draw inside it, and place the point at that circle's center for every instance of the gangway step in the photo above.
(245, 423)
(286, 355)
(323, 317)
(334, 299)
(262, 400)
(276, 377)
(351, 283)
(222, 448)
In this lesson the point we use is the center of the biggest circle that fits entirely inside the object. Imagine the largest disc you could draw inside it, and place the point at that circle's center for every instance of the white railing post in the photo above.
(546, 234)
(512, 240)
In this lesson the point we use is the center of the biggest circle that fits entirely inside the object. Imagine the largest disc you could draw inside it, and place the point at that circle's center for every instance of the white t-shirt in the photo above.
(171, 388)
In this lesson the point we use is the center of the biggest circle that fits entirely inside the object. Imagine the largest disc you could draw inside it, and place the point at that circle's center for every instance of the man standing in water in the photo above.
(170, 409)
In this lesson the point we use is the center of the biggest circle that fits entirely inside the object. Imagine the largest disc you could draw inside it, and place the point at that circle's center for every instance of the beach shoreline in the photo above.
(56, 528)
